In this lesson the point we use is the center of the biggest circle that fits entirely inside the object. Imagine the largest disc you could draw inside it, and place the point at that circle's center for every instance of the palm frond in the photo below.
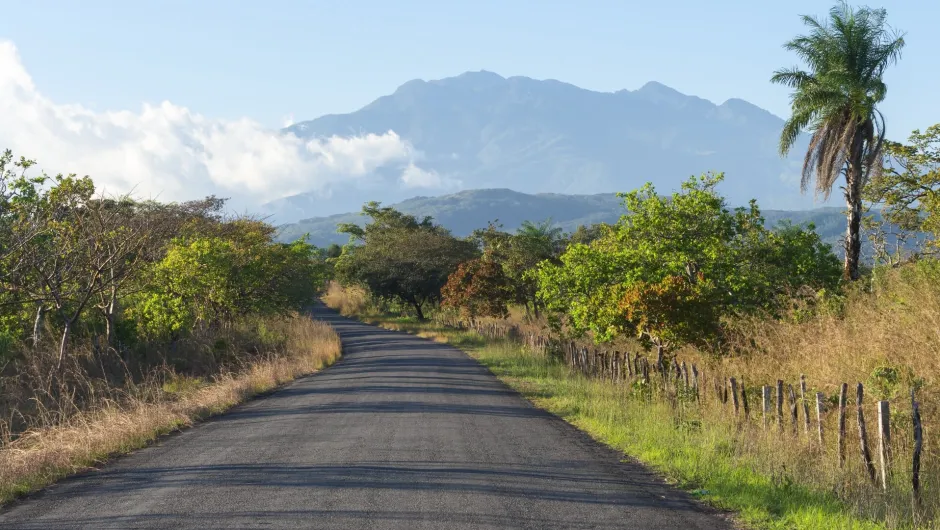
(836, 98)
(792, 78)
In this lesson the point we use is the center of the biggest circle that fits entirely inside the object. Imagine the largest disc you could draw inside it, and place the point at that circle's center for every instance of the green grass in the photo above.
(708, 458)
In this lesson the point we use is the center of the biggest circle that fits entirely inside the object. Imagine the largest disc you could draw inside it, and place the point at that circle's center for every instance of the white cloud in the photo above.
(172, 153)
(415, 177)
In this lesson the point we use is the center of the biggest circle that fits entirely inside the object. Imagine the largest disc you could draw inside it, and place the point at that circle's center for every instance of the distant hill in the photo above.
(546, 136)
(465, 211)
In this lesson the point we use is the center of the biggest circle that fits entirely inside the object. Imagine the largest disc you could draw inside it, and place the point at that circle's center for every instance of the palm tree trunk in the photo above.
(853, 200)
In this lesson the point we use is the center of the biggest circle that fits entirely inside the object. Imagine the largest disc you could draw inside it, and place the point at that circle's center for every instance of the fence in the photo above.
(780, 406)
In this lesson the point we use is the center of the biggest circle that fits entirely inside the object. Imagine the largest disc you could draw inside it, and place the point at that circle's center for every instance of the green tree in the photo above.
(398, 257)
(837, 101)
(908, 190)
(586, 234)
(520, 253)
(211, 281)
(672, 267)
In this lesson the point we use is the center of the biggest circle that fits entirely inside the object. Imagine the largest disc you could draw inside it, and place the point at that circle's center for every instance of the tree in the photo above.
(209, 281)
(401, 258)
(520, 253)
(586, 234)
(72, 248)
(478, 288)
(908, 189)
(837, 101)
(673, 267)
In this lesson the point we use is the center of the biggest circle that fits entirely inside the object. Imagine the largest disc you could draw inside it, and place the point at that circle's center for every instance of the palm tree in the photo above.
(531, 244)
(837, 101)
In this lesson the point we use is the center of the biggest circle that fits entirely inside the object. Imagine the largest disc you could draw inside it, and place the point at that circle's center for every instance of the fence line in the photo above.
(687, 379)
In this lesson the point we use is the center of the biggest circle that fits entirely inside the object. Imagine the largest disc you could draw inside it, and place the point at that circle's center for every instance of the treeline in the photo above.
(669, 272)
(96, 291)
(673, 271)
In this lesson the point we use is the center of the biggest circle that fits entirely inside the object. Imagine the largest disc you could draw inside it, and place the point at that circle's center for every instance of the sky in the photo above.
(176, 98)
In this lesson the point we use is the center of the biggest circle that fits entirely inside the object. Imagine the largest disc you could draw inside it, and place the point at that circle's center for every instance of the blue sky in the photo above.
(267, 60)
(176, 98)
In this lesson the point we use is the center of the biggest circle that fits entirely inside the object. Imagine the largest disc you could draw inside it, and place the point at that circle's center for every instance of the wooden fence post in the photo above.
(842, 398)
(862, 434)
(678, 373)
(747, 409)
(820, 406)
(766, 402)
(805, 403)
(734, 394)
(695, 380)
(918, 447)
(884, 437)
(793, 414)
(780, 404)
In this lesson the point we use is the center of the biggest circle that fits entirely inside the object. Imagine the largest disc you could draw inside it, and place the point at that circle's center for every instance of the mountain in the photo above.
(468, 210)
(482, 130)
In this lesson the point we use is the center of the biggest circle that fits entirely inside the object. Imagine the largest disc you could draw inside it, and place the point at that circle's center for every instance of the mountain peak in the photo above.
(655, 87)
(745, 109)
(659, 93)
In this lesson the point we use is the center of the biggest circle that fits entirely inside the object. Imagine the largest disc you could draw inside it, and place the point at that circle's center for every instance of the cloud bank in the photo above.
(172, 153)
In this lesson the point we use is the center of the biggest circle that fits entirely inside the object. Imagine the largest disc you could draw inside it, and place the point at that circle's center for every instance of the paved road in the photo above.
(401, 433)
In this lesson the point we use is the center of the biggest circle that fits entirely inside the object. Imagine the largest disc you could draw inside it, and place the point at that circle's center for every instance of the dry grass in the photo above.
(41, 456)
(886, 337)
(349, 301)
(894, 327)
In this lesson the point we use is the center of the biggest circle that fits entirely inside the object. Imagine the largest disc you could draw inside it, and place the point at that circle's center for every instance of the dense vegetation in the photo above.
(98, 292)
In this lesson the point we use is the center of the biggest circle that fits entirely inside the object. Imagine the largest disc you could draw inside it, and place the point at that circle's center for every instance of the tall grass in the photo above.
(348, 301)
(58, 444)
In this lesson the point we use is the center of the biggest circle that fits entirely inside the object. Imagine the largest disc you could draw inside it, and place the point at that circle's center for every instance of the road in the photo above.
(400, 433)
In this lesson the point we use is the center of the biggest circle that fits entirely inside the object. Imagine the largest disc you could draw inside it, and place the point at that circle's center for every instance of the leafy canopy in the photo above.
(837, 97)
(672, 267)
(400, 258)
(908, 189)
(478, 288)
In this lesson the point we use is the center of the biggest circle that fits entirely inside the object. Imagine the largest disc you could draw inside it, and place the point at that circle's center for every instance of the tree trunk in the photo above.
(64, 343)
(853, 201)
(37, 324)
(109, 312)
(417, 306)
(853, 241)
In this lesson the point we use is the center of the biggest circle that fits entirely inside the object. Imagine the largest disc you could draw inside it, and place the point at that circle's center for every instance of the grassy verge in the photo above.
(695, 448)
(42, 456)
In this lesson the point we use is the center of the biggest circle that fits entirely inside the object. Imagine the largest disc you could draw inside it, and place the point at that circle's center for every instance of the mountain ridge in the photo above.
(481, 130)
(467, 210)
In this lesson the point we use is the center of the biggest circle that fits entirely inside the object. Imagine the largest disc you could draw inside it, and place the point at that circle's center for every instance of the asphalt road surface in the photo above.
(401, 433)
